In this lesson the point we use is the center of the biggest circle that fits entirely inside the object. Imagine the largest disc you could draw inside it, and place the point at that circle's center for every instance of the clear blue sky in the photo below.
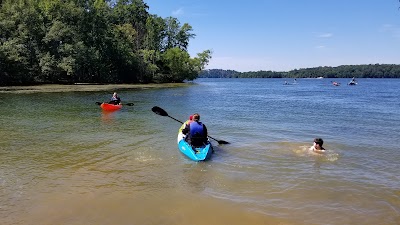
(282, 35)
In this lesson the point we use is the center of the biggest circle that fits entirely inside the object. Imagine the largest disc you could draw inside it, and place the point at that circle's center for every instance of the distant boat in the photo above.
(352, 82)
(320, 77)
(335, 83)
(287, 83)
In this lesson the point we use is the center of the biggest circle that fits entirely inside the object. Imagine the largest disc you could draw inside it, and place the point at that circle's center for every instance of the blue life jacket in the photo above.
(196, 129)
(115, 100)
(197, 137)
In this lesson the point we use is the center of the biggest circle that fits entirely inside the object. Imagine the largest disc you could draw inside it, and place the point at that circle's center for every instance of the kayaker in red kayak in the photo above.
(115, 99)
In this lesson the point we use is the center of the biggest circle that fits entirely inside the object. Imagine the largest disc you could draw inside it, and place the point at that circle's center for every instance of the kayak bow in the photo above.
(110, 107)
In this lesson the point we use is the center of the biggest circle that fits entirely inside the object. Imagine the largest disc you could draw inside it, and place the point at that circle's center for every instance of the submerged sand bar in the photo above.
(84, 87)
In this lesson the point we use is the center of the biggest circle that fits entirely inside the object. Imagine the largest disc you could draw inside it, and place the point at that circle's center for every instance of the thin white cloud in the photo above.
(178, 12)
(391, 29)
(325, 35)
(386, 27)
(320, 46)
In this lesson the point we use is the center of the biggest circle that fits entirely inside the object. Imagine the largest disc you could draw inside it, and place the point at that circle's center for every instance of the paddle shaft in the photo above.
(128, 104)
(219, 141)
(175, 119)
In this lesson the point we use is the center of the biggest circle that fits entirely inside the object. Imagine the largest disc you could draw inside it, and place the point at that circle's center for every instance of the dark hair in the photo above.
(196, 117)
(319, 141)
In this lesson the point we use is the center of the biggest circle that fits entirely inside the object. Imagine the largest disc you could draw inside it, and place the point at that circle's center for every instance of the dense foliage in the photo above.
(92, 41)
(359, 71)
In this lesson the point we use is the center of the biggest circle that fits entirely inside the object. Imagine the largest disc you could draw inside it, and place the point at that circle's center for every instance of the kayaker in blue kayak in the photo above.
(196, 132)
(115, 99)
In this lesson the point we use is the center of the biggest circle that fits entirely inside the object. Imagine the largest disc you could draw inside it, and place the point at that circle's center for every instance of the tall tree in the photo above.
(21, 31)
(156, 33)
(132, 12)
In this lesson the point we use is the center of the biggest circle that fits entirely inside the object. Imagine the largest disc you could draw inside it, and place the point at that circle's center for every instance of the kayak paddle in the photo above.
(159, 111)
(128, 104)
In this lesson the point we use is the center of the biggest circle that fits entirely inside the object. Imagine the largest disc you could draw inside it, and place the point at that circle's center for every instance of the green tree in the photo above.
(156, 33)
(179, 66)
(132, 12)
(21, 31)
(176, 35)
(108, 41)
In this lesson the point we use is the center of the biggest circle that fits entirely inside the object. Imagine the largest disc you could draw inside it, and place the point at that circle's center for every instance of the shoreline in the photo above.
(84, 87)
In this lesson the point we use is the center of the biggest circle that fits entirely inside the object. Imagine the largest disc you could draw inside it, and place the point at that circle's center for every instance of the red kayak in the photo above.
(110, 107)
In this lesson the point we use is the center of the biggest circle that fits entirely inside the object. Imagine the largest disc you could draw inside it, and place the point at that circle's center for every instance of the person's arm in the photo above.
(205, 131)
(313, 149)
(186, 129)
(319, 150)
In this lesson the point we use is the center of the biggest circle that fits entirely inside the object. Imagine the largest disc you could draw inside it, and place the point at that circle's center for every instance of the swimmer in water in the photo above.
(317, 146)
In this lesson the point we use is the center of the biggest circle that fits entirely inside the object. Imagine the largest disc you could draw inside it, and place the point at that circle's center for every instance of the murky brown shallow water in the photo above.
(64, 161)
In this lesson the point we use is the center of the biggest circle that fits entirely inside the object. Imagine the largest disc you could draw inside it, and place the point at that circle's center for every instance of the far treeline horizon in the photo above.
(115, 42)
(344, 71)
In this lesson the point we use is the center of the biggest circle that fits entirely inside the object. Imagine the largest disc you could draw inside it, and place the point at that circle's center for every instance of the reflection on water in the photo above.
(107, 116)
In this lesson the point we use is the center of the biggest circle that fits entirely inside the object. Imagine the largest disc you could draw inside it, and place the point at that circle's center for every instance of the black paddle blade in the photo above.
(159, 111)
(129, 104)
(98, 103)
(222, 142)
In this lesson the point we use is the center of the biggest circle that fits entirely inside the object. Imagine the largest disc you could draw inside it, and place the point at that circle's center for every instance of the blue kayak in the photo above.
(194, 153)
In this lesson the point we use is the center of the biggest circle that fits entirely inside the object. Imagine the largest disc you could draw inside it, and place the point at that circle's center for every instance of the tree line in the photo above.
(345, 71)
(93, 41)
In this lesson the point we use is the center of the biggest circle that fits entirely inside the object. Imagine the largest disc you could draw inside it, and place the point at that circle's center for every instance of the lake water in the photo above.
(64, 161)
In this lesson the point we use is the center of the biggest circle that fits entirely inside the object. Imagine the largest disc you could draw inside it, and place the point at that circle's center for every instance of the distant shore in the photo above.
(84, 87)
